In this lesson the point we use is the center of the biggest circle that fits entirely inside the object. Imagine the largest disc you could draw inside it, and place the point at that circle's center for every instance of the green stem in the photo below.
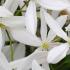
(25, 3)
(11, 48)
(51, 67)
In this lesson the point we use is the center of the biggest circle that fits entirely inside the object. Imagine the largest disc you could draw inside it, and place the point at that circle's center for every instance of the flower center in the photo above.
(2, 26)
(45, 45)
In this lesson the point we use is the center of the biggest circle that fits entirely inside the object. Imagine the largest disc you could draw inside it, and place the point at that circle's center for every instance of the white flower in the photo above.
(57, 53)
(29, 34)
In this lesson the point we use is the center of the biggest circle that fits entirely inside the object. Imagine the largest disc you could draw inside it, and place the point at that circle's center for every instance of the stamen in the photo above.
(2, 26)
(45, 45)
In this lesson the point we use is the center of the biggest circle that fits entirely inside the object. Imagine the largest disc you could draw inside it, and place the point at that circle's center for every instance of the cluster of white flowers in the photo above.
(53, 15)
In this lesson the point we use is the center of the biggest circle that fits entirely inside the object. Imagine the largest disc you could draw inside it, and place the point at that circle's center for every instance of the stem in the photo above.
(11, 48)
(26, 3)
(51, 67)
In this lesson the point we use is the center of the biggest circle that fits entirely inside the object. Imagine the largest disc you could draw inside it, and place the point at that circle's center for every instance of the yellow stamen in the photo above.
(45, 45)
(2, 26)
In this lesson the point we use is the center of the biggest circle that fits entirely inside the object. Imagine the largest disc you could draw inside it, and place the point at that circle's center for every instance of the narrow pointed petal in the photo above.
(53, 4)
(43, 29)
(61, 21)
(31, 18)
(4, 12)
(36, 66)
(54, 25)
(25, 63)
(57, 53)
(14, 21)
(25, 37)
(11, 5)
(51, 36)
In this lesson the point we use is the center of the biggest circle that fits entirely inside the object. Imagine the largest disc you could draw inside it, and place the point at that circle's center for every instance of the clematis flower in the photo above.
(58, 52)
(29, 34)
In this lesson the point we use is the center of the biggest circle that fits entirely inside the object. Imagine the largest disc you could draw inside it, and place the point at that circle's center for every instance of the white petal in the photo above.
(19, 51)
(25, 63)
(31, 18)
(43, 29)
(1, 39)
(6, 51)
(54, 25)
(11, 5)
(55, 14)
(53, 4)
(3, 62)
(36, 66)
(61, 21)
(4, 12)
(57, 53)
(25, 37)
(45, 66)
(51, 36)
(14, 21)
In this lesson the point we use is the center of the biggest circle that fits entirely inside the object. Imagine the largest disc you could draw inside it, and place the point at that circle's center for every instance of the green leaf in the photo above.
(62, 65)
